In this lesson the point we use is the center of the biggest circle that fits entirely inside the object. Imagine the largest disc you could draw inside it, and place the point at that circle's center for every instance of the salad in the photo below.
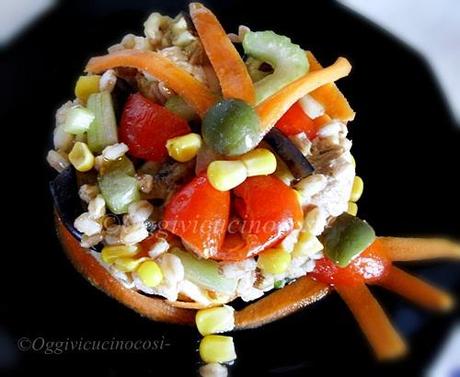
(213, 167)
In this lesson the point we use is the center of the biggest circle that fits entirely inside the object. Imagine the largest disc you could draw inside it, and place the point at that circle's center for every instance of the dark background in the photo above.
(405, 142)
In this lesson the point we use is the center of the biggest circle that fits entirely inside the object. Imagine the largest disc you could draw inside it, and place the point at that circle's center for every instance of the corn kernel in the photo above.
(353, 161)
(128, 264)
(184, 148)
(283, 173)
(81, 157)
(217, 349)
(259, 161)
(215, 320)
(357, 189)
(110, 253)
(274, 261)
(150, 273)
(352, 208)
(85, 86)
(225, 175)
(307, 245)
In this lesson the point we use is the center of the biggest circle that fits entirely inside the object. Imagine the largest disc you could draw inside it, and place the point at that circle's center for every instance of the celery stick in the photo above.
(205, 273)
(103, 130)
(77, 121)
(119, 191)
(181, 108)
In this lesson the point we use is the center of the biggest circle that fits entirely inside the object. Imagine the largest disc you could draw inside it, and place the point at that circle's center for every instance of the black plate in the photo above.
(406, 146)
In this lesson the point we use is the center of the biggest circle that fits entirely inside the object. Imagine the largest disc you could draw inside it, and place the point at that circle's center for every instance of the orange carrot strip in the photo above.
(384, 339)
(280, 303)
(229, 67)
(195, 93)
(416, 290)
(272, 109)
(330, 96)
(412, 249)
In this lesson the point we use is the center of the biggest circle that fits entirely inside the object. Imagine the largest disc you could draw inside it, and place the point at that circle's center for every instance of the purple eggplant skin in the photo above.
(297, 163)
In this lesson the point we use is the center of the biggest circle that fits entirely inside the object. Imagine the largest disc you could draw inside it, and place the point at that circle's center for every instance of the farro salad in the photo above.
(209, 175)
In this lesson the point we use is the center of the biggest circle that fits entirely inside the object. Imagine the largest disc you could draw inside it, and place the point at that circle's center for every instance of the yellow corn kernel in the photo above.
(352, 208)
(283, 173)
(259, 161)
(225, 175)
(110, 253)
(307, 245)
(128, 264)
(184, 148)
(85, 86)
(217, 349)
(357, 189)
(215, 320)
(150, 273)
(353, 161)
(81, 157)
(274, 261)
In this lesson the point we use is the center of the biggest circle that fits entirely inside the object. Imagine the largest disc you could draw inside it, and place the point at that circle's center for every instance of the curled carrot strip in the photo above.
(229, 67)
(195, 93)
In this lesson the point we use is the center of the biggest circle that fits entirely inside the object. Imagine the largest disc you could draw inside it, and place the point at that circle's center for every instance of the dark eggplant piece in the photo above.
(297, 163)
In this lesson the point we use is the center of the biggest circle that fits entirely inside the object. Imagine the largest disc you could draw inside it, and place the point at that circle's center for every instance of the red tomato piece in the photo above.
(295, 121)
(198, 214)
(146, 126)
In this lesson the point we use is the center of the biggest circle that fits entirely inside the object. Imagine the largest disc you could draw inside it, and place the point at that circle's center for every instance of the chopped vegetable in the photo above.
(215, 320)
(103, 130)
(184, 148)
(229, 67)
(274, 261)
(111, 253)
(346, 238)
(122, 166)
(85, 86)
(296, 162)
(145, 128)
(181, 108)
(259, 161)
(217, 349)
(195, 93)
(416, 290)
(287, 59)
(279, 284)
(374, 323)
(295, 121)
(357, 189)
(352, 208)
(119, 190)
(128, 264)
(255, 69)
(226, 175)
(273, 108)
(205, 273)
(81, 157)
(198, 213)
(78, 119)
(231, 127)
(150, 273)
(307, 245)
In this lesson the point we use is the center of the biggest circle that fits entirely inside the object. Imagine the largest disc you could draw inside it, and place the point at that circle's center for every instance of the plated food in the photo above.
(193, 175)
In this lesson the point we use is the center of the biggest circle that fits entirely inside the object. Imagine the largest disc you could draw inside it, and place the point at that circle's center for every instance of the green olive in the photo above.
(347, 237)
(231, 127)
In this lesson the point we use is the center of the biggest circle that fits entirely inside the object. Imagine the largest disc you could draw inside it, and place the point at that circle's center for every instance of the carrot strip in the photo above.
(330, 96)
(271, 110)
(384, 339)
(280, 303)
(416, 290)
(229, 67)
(195, 93)
(413, 249)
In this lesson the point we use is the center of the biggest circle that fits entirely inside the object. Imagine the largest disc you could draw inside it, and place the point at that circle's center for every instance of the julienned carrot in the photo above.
(195, 93)
(330, 96)
(229, 67)
(382, 336)
(271, 110)
(416, 290)
(412, 249)
(302, 292)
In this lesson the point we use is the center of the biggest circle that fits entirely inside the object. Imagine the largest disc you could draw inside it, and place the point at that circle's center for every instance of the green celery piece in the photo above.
(119, 191)
(178, 106)
(288, 60)
(253, 66)
(103, 130)
(78, 119)
(204, 272)
(123, 166)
